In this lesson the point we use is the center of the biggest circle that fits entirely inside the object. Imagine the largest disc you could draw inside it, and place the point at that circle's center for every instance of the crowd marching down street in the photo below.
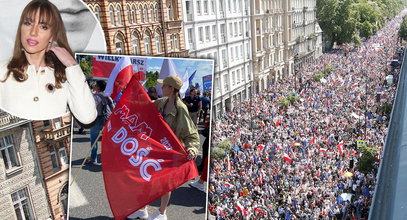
(299, 162)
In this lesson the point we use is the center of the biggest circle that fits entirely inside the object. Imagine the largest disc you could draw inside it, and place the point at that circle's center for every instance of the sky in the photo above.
(203, 67)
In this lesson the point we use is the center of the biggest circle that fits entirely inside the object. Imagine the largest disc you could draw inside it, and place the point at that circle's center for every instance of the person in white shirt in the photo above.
(42, 80)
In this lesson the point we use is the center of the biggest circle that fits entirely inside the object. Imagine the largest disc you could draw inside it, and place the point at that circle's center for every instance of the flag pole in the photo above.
(87, 155)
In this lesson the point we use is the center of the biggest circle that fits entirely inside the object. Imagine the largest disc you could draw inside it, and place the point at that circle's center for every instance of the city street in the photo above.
(88, 199)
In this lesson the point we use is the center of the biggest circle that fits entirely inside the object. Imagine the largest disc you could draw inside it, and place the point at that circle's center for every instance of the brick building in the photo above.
(141, 27)
(52, 138)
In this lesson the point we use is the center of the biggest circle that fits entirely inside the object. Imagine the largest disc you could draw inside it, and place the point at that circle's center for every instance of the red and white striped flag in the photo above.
(287, 158)
(322, 149)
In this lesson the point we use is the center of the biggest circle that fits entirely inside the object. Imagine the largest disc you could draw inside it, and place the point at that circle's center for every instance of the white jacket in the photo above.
(38, 99)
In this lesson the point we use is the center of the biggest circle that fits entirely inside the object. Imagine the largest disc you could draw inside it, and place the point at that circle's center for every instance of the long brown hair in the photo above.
(50, 14)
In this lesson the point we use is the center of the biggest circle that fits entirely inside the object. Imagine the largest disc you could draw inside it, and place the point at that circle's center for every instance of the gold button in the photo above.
(36, 99)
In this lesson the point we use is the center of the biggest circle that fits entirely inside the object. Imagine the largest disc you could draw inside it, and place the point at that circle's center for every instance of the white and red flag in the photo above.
(340, 147)
(322, 149)
(142, 158)
(287, 158)
(119, 77)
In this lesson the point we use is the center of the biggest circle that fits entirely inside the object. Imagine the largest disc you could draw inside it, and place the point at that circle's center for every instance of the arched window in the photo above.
(136, 46)
(170, 13)
(133, 14)
(152, 13)
(97, 12)
(119, 15)
(119, 42)
(140, 9)
(111, 13)
(128, 15)
(158, 42)
(146, 14)
(156, 12)
(147, 43)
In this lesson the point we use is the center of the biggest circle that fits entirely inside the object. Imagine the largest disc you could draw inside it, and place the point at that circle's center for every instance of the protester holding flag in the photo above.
(176, 115)
(42, 80)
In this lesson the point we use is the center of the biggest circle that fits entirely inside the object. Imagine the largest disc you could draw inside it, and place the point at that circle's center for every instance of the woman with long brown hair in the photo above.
(42, 80)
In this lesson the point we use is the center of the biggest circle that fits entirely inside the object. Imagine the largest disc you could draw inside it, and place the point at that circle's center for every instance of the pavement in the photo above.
(87, 196)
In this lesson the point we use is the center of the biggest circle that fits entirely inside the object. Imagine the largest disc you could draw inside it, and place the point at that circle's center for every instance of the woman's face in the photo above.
(35, 34)
(167, 90)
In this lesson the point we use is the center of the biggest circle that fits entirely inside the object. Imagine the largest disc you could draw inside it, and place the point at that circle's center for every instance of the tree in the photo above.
(367, 160)
(217, 153)
(86, 63)
(151, 79)
(403, 28)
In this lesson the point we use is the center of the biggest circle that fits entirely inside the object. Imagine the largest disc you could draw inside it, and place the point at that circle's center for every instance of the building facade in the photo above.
(52, 139)
(141, 27)
(220, 30)
(22, 190)
(306, 31)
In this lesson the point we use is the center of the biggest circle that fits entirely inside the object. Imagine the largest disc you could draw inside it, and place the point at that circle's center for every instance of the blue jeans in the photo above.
(94, 132)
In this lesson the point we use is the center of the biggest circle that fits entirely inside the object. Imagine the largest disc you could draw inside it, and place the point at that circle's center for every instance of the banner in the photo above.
(207, 83)
(102, 66)
(142, 158)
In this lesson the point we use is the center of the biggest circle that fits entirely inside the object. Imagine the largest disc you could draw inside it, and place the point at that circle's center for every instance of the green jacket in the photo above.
(180, 123)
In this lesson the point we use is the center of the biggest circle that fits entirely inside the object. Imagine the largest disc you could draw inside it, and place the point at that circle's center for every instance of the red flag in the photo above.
(287, 158)
(322, 149)
(313, 140)
(339, 146)
(119, 77)
(142, 158)
(260, 146)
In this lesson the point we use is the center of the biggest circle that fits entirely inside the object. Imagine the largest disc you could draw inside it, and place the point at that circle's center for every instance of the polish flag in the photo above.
(119, 77)
(239, 207)
(313, 140)
(260, 146)
(339, 146)
(322, 149)
(228, 185)
(287, 158)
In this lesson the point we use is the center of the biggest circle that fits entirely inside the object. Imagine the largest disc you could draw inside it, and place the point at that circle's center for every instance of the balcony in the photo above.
(8, 121)
(54, 135)
(182, 53)
(173, 24)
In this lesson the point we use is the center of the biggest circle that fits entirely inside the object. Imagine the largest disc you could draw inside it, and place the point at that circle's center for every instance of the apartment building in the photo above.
(220, 30)
(147, 27)
(306, 31)
(52, 140)
(22, 190)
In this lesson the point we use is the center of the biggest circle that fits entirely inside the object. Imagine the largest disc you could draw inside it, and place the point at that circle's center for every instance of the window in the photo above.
(152, 13)
(54, 157)
(133, 14)
(200, 33)
(111, 13)
(241, 52)
(136, 49)
(140, 9)
(128, 15)
(145, 13)
(213, 6)
(222, 33)
(8, 152)
(119, 15)
(236, 53)
(235, 30)
(233, 78)
(22, 205)
(190, 36)
(242, 74)
(156, 13)
(240, 28)
(231, 54)
(97, 13)
(147, 45)
(213, 32)
(238, 76)
(207, 33)
(198, 7)
(229, 6)
(224, 58)
(158, 42)
(225, 82)
(205, 6)
(230, 29)
(57, 123)
(119, 48)
(46, 123)
(62, 156)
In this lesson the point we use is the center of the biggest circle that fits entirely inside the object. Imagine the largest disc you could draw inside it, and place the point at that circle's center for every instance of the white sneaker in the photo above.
(197, 185)
(141, 214)
(157, 216)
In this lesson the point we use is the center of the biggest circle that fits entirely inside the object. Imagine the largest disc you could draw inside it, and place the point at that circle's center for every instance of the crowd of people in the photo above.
(299, 162)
